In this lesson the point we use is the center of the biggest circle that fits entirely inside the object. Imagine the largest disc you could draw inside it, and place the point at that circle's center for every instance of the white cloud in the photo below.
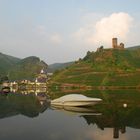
(101, 32)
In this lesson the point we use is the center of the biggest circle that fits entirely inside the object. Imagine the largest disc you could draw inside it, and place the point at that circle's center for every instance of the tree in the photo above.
(3, 79)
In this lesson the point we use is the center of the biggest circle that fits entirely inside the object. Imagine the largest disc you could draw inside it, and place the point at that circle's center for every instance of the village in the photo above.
(37, 85)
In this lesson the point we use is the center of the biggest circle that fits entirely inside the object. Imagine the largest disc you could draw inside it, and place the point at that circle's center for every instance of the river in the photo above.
(30, 116)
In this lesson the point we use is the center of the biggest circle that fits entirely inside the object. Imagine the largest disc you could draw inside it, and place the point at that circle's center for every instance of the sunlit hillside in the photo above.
(105, 67)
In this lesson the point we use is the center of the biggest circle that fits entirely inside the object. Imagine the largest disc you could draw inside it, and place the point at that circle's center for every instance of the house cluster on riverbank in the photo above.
(39, 82)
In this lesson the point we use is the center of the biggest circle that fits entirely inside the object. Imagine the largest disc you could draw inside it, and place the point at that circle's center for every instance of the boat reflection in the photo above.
(116, 113)
(117, 119)
(110, 114)
(76, 110)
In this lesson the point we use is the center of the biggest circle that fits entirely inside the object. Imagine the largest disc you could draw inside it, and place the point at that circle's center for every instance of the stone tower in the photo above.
(121, 46)
(114, 43)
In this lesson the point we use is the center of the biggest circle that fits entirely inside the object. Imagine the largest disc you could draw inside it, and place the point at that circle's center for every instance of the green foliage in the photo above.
(7, 62)
(105, 67)
(17, 68)
(27, 68)
(3, 78)
(106, 59)
(14, 104)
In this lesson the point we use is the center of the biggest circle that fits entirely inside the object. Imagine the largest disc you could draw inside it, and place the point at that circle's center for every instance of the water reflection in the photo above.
(79, 111)
(119, 110)
(107, 117)
(29, 105)
(108, 120)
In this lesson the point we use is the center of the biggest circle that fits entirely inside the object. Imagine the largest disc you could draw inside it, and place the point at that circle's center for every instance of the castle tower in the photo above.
(114, 43)
(121, 46)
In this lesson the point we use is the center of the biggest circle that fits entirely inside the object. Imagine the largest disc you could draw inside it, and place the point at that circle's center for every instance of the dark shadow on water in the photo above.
(118, 111)
(29, 105)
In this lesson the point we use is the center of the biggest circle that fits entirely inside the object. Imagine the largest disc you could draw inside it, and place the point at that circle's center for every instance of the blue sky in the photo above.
(64, 30)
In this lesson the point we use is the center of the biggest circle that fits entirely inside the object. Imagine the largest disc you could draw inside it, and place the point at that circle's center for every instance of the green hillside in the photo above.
(105, 67)
(6, 62)
(27, 68)
(16, 68)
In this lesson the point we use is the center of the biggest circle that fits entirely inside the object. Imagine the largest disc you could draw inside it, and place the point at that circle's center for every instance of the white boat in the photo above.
(75, 100)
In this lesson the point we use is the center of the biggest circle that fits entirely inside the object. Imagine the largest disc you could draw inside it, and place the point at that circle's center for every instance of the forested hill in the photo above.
(6, 62)
(17, 68)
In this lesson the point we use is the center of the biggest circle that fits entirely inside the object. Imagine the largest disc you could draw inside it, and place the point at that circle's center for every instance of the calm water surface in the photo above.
(26, 117)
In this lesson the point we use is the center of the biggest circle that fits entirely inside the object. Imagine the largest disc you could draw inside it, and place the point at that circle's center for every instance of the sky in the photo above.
(64, 30)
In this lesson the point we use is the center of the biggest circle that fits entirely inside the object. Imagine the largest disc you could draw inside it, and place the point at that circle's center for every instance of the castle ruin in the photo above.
(115, 44)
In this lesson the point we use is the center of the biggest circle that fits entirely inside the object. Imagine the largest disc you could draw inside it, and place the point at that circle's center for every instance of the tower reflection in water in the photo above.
(105, 115)
(116, 116)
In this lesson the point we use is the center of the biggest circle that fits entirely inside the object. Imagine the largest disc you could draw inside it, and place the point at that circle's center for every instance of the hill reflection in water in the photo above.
(29, 105)
(108, 118)
(119, 110)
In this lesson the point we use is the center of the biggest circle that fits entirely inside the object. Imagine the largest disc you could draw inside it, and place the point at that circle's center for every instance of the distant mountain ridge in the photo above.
(17, 68)
(58, 66)
(134, 47)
